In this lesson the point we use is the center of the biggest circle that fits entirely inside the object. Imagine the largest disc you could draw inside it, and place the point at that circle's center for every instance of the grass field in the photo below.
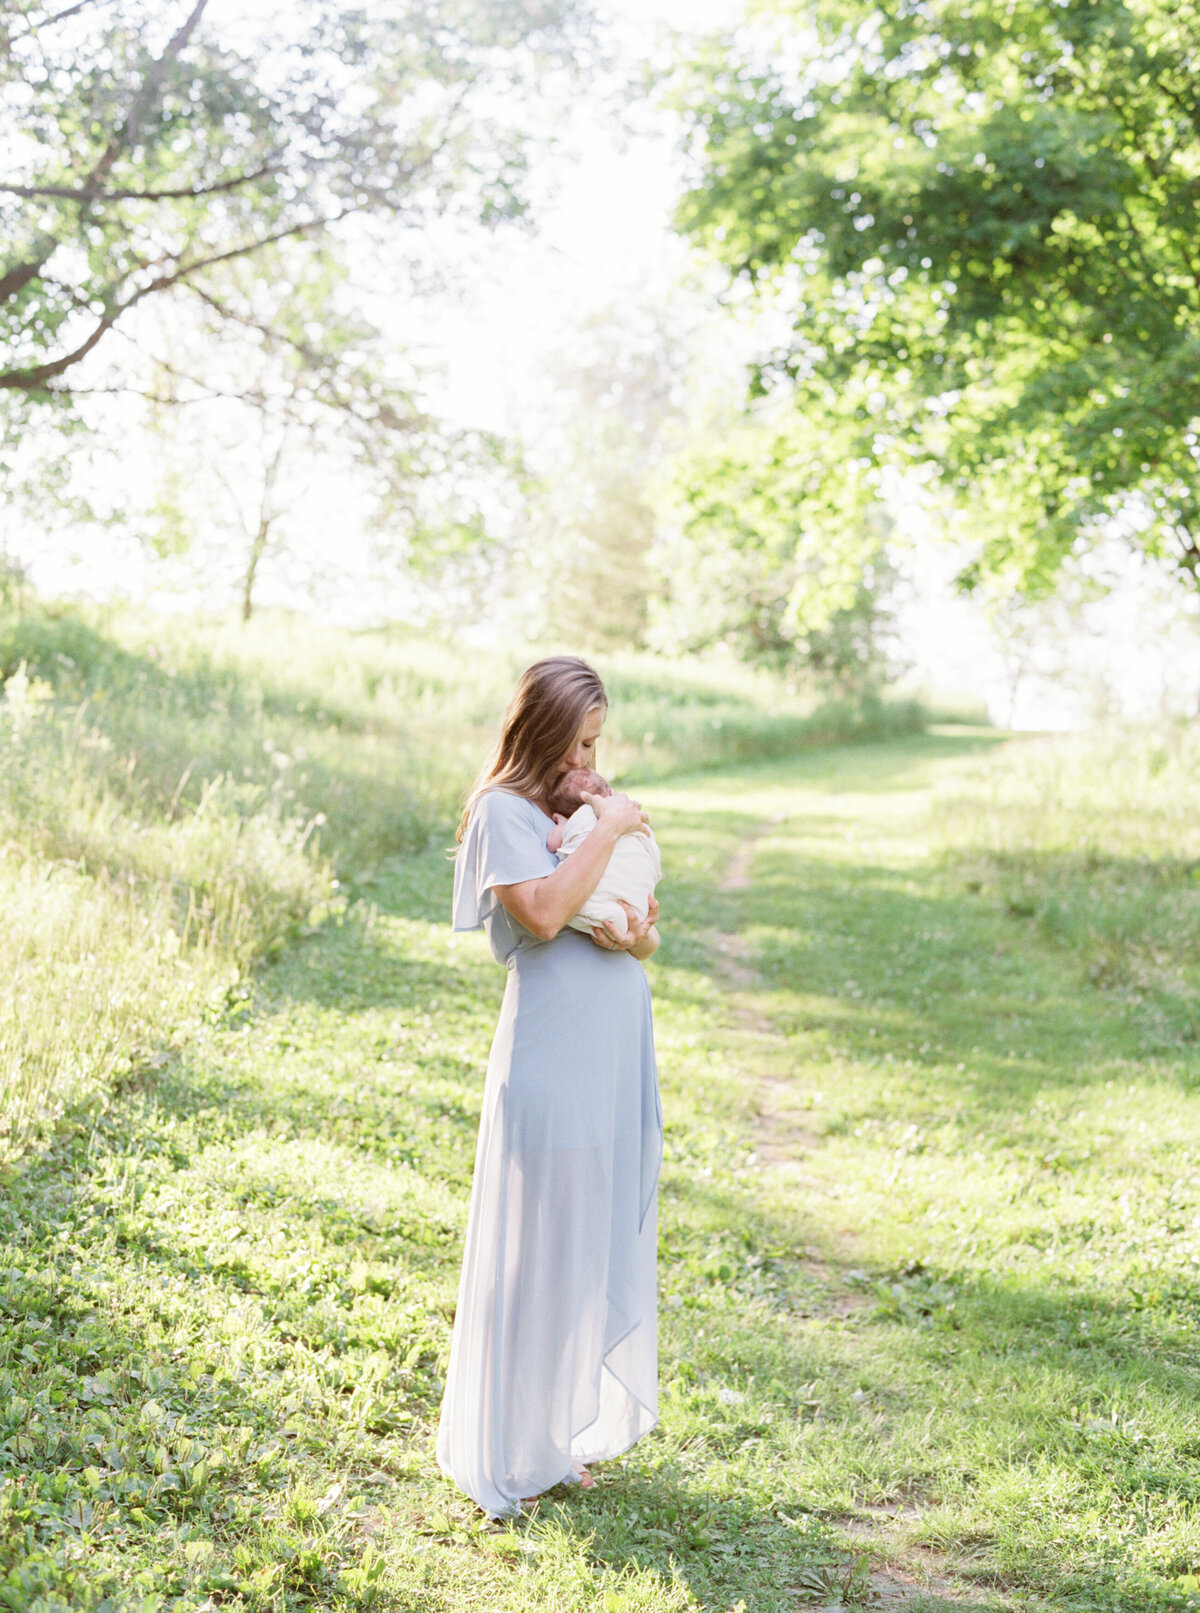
(930, 1258)
(179, 800)
(929, 1210)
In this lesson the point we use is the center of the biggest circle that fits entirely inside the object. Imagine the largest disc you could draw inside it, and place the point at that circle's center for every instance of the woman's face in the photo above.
(583, 752)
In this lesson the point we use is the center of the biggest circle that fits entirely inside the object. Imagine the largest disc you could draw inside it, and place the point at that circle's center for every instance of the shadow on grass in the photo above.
(1003, 1370)
(1020, 1387)
(654, 1519)
(873, 957)
(751, 1549)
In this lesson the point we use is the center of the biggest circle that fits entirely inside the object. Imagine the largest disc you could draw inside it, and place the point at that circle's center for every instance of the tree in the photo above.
(152, 150)
(981, 219)
(778, 550)
(208, 215)
(286, 448)
(591, 458)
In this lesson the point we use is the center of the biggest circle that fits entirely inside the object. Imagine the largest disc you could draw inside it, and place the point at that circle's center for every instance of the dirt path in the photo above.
(902, 1576)
(782, 1138)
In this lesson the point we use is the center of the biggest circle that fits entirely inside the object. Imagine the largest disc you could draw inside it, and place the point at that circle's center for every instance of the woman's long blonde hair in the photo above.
(540, 723)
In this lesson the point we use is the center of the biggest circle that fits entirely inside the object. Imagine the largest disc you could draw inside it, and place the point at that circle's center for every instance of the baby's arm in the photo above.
(555, 838)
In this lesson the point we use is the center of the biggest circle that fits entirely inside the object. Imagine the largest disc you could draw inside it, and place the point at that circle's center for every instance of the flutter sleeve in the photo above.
(501, 847)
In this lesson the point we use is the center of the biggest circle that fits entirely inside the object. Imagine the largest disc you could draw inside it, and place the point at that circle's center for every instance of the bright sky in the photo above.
(604, 205)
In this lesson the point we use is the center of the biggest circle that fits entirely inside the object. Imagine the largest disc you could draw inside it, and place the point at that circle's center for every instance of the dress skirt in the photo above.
(554, 1356)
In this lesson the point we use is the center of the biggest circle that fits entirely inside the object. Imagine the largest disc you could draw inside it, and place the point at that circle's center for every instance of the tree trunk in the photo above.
(262, 537)
(257, 549)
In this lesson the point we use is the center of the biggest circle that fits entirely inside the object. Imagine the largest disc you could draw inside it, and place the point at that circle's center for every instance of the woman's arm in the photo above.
(544, 905)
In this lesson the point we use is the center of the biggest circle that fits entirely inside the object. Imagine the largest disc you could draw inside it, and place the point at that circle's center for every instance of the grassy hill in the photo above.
(178, 799)
(929, 1271)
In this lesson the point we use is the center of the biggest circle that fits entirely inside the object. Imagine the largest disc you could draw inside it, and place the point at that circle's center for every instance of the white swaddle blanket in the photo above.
(634, 869)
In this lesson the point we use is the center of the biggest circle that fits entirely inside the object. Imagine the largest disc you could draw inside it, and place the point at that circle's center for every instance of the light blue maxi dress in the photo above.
(553, 1361)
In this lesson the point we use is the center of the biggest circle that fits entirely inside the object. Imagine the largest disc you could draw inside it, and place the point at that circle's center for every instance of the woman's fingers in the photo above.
(625, 815)
(611, 940)
(637, 927)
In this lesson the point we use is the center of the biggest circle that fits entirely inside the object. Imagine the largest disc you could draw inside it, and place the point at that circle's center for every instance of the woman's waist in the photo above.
(570, 950)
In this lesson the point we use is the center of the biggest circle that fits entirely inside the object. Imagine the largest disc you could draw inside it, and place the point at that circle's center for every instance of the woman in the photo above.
(553, 1363)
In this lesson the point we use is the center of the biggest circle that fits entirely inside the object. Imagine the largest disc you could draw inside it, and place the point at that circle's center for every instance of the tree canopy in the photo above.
(980, 219)
(151, 149)
(210, 214)
(778, 549)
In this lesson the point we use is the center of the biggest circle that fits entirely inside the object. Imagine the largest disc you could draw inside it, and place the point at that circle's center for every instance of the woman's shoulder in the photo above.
(500, 799)
(496, 804)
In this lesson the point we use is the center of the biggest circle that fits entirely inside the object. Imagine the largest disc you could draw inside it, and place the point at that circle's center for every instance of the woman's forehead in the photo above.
(592, 723)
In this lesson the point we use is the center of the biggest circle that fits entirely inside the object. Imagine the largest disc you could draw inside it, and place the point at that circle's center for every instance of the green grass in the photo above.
(930, 1259)
(179, 800)
(1097, 838)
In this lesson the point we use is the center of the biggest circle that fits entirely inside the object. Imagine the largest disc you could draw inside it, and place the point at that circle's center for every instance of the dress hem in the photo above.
(570, 1476)
(514, 1503)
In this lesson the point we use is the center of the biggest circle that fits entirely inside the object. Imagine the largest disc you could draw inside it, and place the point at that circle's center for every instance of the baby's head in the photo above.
(566, 795)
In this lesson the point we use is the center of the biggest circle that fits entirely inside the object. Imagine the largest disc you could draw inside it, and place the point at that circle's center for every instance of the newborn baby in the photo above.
(633, 869)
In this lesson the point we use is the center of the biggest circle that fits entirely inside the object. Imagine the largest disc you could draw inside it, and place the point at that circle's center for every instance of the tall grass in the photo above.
(374, 735)
(178, 797)
(671, 717)
(1096, 839)
(121, 919)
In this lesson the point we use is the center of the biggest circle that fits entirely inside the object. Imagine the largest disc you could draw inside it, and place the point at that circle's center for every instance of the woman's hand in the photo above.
(617, 813)
(544, 905)
(636, 937)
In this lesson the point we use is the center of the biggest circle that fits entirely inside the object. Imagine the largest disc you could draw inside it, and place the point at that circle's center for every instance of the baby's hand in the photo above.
(554, 839)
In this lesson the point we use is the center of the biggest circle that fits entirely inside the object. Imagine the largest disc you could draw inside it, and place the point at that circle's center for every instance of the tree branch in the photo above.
(33, 380)
(58, 16)
(127, 134)
(19, 277)
(308, 354)
(74, 193)
(166, 399)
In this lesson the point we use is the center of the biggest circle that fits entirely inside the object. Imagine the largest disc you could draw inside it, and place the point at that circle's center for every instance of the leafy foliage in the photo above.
(780, 551)
(188, 203)
(149, 153)
(590, 518)
(980, 217)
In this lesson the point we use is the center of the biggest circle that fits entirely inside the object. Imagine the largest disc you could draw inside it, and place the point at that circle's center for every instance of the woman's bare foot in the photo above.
(583, 1478)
